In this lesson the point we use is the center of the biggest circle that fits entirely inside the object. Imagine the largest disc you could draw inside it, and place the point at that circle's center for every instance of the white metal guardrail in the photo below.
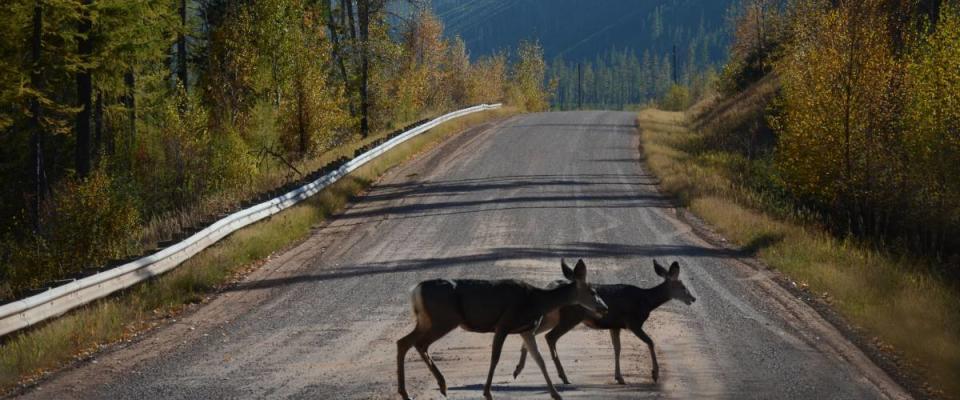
(31, 310)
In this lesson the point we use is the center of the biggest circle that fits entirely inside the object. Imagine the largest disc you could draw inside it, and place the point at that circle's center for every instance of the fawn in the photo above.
(629, 307)
(499, 306)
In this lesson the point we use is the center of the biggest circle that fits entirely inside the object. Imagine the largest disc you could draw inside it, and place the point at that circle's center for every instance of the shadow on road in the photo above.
(591, 128)
(461, 186)
(569, 250)
(575, 200)
(637, 388)
(552, 191)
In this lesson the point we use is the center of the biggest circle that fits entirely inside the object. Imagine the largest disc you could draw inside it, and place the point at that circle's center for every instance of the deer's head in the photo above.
(675, 287)
(586, 295)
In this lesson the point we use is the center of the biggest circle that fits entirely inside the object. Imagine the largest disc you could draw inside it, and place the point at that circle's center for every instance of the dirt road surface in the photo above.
(505, 200)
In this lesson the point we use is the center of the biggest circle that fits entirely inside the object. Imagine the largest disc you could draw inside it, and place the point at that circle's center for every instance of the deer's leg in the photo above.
(423, 344)
(498, 338)
(530, 342)
(552, 337)
(520, 364)
(615, 338)
(637, 329)
(404, 345)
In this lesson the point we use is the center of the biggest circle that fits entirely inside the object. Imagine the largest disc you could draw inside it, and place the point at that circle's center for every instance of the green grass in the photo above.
(25, 355)
(894, 301)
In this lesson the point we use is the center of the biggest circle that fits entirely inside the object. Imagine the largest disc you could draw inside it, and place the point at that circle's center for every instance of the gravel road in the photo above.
(504, 200)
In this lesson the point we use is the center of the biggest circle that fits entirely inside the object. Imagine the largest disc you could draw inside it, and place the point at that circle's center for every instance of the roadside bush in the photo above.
(88, 223)
(172, 159)
(527, 79)
(932, 121)
(91, 222)
(676, 99)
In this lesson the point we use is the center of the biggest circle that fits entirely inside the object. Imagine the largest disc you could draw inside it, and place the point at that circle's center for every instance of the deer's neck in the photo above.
(657, 295)
(546, 300)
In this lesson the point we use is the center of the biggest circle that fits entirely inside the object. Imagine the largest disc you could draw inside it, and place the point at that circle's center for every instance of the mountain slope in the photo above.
(580, 30)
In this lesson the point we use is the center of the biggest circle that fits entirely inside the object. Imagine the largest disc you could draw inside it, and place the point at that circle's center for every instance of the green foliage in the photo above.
(91, 220)
(232, 81)
(677, 99)
(11, 76)
(527, 79)
(171, 160)
(313, 118)
(932, 124)
(580, 30)
(618, 79)
(836, 78)
(87, 225)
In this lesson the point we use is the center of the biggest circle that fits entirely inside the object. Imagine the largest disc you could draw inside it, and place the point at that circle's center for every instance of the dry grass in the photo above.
(25, 355)
(895, 302)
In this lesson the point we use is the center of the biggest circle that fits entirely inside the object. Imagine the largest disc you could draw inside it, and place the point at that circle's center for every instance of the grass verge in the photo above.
(26, 355)
(893, 302)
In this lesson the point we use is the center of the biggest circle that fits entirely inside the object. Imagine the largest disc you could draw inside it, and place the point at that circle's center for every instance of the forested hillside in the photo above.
(839, 122)
(124, 122)
(625, 48)
(864, 128)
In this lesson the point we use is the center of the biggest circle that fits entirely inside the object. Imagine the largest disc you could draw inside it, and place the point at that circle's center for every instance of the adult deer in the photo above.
(629, 307)
(499, 306)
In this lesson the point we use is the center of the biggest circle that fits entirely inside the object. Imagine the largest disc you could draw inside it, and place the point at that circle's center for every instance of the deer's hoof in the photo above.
(621, 381)
(565, 382)
(656, 375)
(487, 395)
(443, 390)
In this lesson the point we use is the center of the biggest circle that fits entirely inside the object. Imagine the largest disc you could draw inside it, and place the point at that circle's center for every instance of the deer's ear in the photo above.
(659, 269)
(674, 271)
(567, 272)
(580, 271)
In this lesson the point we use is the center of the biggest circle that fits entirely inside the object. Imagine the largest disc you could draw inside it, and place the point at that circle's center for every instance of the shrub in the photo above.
(87, 223)
(676, 99)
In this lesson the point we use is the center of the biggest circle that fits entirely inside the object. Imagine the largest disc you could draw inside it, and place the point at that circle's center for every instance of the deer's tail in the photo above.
(416, 299)
(420, 312)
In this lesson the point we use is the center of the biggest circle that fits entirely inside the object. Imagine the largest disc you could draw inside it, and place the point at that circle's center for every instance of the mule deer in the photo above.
(500, 306)
(629, 307)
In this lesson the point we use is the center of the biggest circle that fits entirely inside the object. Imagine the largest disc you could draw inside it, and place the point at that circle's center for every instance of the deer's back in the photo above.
(476, 305)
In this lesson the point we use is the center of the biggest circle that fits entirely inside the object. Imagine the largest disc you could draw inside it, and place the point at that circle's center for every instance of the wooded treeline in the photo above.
(619, 79)
(675, 60)
(118, 116)
(865, 129)
(579, 31)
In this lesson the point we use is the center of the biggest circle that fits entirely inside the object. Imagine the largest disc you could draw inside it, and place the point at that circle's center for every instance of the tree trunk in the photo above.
(302, 118)
(84, 92)
(337, 54)
(182, 48)
(348, 5)
(363, 12)
(760, 55)
(98, 127)
(130, 80)
(36, 138)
